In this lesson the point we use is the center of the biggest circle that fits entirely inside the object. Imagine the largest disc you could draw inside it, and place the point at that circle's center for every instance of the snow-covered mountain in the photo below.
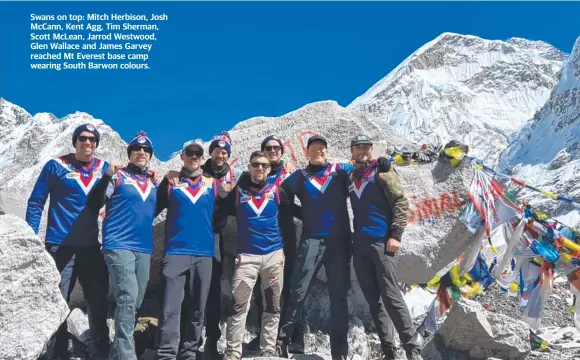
(465, 88)
(27, 142)
(546, 151)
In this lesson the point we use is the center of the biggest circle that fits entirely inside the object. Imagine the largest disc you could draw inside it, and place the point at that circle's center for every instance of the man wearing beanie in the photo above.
(72, 233)
(273, 148)
(322, 188)
(227, 177)
(129, 195)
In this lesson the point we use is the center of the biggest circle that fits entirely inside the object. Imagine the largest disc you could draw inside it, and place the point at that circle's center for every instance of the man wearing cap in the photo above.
(273, 148)
(189, 249)
(227, 177)
(381, 212)
(72, 233)
(322, 188)
(129, 194)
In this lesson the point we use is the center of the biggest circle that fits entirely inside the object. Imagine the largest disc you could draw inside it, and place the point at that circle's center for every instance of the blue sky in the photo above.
(215, 64)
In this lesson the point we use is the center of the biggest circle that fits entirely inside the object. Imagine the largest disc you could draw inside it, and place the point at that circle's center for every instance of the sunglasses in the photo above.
(256, 165)
(140, 147)
(189, 152)
(272, 148)
(83, 138)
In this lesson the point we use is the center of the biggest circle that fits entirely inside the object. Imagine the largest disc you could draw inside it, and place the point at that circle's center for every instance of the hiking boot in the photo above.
(296, 348)
(232, 356)
(211, 350)
(282, 349)
(390, 353)
(297, 345)
(268, 353)
(414, 354)
(254, 345)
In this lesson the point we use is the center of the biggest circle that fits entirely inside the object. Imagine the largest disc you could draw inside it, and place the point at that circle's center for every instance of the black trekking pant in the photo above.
(213, 311)
(375, 271)
(334, 254)
(86, 263)
(186, 281)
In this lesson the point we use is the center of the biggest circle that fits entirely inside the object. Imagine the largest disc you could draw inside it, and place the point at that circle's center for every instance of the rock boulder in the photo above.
(483, 334)
(31, 305)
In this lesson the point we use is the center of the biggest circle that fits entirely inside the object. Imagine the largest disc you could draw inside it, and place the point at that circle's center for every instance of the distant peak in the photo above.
(570, 76)
(453, 35)
(12, 114)
(44, 118)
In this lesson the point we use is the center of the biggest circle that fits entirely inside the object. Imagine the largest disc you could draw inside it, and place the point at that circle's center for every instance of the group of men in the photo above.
(199, 198)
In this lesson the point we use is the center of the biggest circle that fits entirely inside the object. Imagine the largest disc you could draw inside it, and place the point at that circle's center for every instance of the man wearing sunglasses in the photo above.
(381, 212)
(72, 233)
(227, 177)
(129, 194)
(260, 254)
(273, 148)
(322, 188)
(189, 249)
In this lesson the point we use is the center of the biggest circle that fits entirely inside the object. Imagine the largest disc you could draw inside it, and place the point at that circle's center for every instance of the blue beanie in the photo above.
(272, 137)
(85, 127)
(140, 139)
(224, 141)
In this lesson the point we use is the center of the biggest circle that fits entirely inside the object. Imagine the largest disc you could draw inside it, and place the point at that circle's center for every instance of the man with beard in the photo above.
(72, 233)
(217, 167)
(380, 211)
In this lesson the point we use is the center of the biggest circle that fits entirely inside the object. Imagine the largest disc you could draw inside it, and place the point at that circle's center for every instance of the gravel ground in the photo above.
(555, 311)
(555, 317)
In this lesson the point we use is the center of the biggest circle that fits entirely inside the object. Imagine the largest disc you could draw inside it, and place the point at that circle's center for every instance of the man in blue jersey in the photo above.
(72, 233)
(260, 255)
(322, 188)
(189, 249)
(273, 148)
(380, 211)
(130, 195)
(227, 177)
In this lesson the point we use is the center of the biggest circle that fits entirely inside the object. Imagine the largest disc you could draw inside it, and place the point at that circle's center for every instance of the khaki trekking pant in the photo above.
(270, 269)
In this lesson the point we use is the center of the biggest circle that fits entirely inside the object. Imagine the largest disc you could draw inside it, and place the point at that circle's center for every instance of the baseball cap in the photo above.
(316, 138)
(361, 140)
(191, 145)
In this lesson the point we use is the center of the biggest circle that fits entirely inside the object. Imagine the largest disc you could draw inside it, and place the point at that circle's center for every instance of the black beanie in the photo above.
(273, 137)
(85, 127)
